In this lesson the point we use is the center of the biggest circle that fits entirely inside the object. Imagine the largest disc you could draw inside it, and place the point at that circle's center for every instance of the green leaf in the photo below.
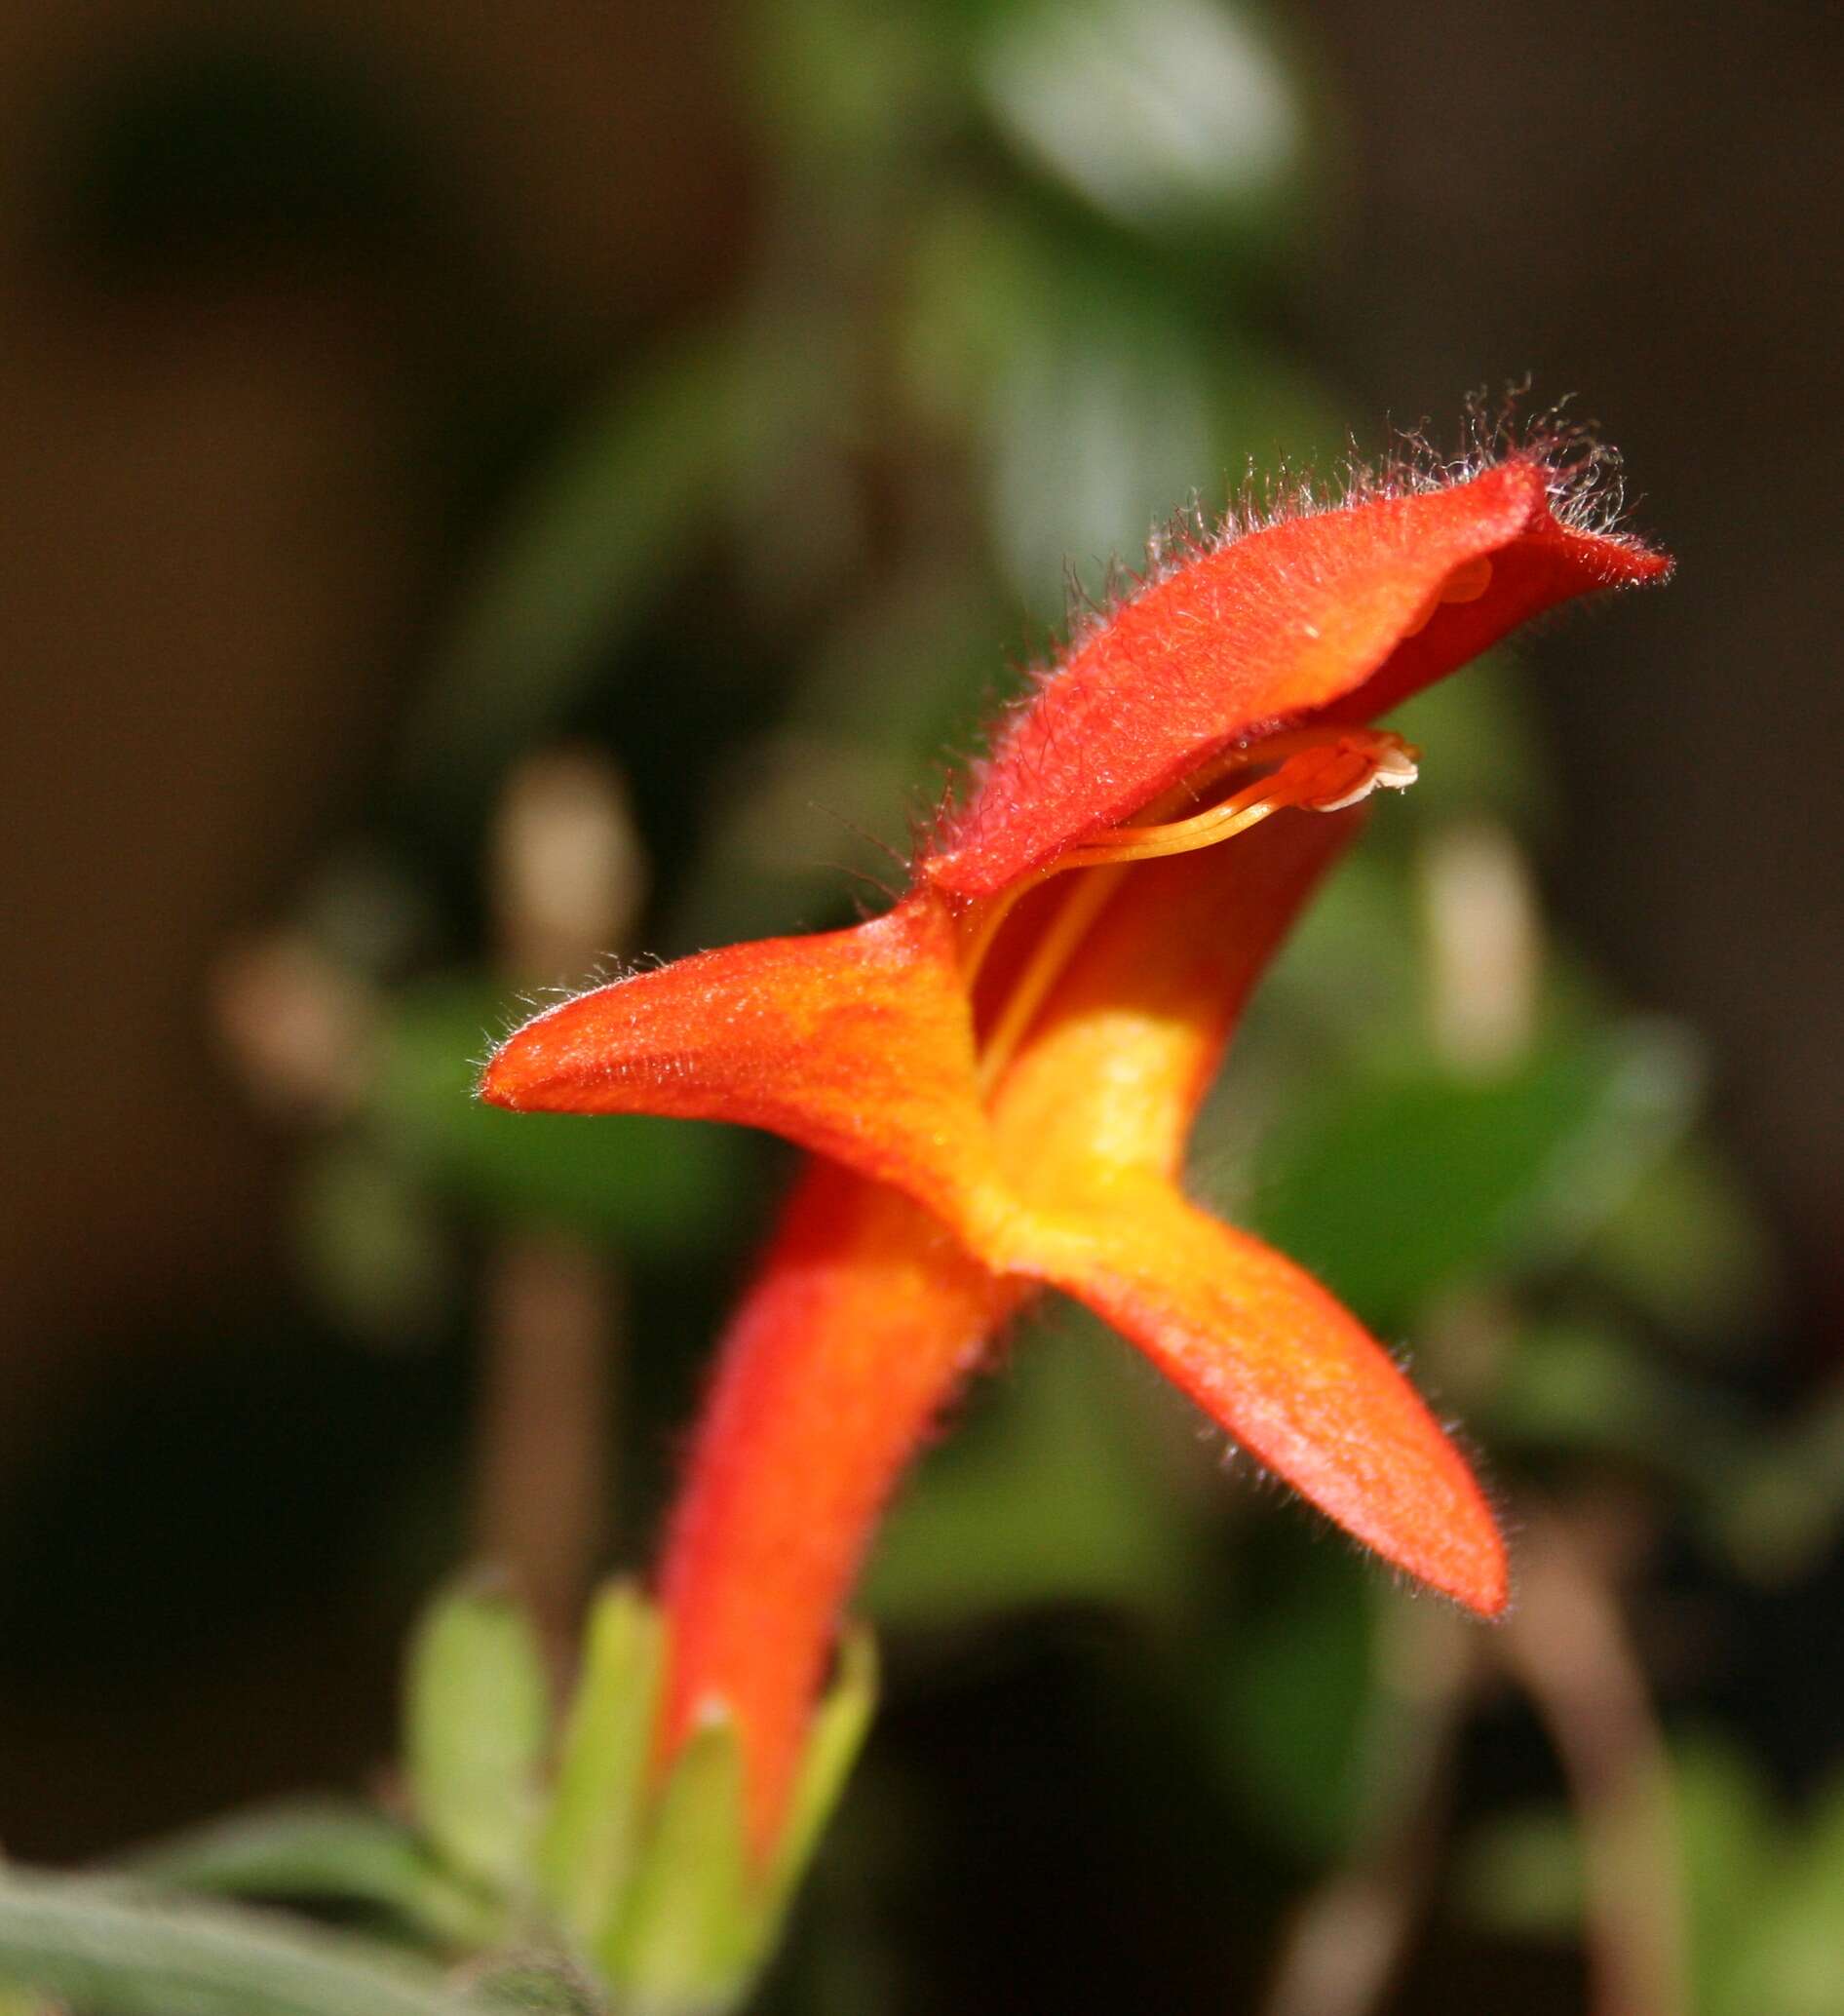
(1052, 1490)
(1486, 756)
(687, 1923)
(1577, 1383)
(833, 1742)
(1523, 1874)
(850, 86)
(373, 1241)
(1688, 1248)
(688, 1938)
(539, 1984)
(1779, 1506)
(1734, 1856)
(477, 1723)
(655, 1185)
(1163, 113)
(591, 1835)
(319, 1851)
(1792, 1960)
(114, 1953)
(1294, 1703)
(1403, 1184)
(619, 501)
(1100, 402)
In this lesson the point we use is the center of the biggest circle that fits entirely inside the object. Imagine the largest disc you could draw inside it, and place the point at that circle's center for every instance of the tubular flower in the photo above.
(998, 1076)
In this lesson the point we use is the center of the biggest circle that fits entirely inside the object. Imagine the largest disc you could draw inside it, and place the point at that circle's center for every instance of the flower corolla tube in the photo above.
(996, 1078)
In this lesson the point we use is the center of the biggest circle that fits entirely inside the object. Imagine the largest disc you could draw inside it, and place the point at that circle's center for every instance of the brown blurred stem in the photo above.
(1346, 1942)
(566, 885)
(542, 1476)
(1565, 1641)
(1567, 1644)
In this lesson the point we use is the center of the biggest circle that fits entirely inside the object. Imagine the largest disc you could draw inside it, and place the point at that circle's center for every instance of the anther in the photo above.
(1326, 777)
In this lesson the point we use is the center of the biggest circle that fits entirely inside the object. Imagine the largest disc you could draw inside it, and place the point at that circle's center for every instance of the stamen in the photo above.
(1052, 951)
(1325, 778)
(1320, 773)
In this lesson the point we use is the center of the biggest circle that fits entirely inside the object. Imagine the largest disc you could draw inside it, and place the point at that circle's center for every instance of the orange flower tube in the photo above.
(999, 1076)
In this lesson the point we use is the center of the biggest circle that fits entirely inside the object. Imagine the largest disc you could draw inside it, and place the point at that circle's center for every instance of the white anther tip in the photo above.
(1394, 769)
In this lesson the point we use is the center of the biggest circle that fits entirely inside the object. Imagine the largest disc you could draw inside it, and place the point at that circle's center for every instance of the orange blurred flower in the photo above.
(998, 1077)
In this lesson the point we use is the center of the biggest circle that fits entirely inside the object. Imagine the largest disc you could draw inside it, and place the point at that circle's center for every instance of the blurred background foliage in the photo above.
(968, 295)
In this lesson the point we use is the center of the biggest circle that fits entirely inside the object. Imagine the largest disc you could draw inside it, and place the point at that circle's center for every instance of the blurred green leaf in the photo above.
(1792, 1960)
(1047, 1494)
(1483, 751)
(1350, 977)
(320, 1851)
(1099, 421)
(1781, 1504)
(476, 1725)
(1687, 1247)
(1581, 1386)
(1574, 1385)
(1766, 1913)
(539, 1984)
(1395, 1185)
(1295, 1702)
(1521, 1873)
(370, 1241)
(619, 502)
(112, 1953)
(686, 1938)
(833, 1741)
(846, 80)
(1732, 1846)
(591, 1835)
(655, 1185)
(1165, 114)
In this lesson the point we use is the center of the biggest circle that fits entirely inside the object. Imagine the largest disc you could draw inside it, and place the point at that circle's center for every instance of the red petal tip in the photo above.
(512, 1077)
(1478, 1577)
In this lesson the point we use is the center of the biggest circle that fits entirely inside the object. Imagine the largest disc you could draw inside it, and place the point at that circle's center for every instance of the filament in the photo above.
(1319, 772)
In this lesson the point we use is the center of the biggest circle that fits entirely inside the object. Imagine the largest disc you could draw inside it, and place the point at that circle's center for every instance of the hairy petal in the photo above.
(1290, 1373)
(862, 1323)
(1338, 613)
(856, 1044)
(1091, 1122)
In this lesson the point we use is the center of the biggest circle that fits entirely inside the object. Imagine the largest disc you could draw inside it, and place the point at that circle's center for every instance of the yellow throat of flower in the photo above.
(1312, 771)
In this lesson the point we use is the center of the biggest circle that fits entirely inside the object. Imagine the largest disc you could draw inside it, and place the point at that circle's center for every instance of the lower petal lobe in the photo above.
(1091, 1122)
(1285, 1368)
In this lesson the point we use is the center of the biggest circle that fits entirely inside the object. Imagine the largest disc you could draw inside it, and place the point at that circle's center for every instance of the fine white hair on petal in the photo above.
(1586, 486)
(1586, 494)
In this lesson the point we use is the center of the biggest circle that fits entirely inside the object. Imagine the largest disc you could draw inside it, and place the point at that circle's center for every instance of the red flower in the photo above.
(998, 1076)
